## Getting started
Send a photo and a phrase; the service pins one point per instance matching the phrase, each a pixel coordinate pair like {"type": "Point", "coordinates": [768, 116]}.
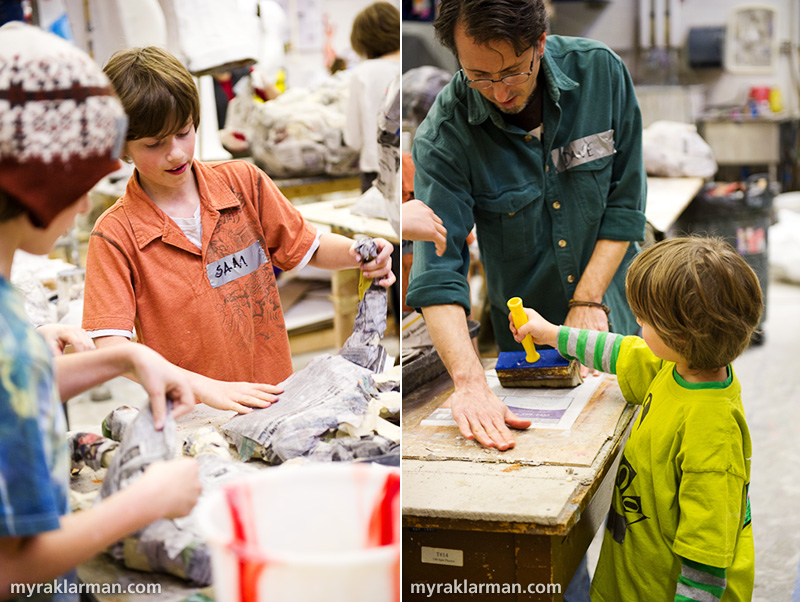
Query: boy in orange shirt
{"type": "Point", "coordinates": [186, 256]}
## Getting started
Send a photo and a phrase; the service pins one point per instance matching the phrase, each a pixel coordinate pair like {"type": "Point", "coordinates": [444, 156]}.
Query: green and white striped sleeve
{"type": "Point", "coordinates": [699, 582]}
{"type": "Point", "coordinates": [592, 348]}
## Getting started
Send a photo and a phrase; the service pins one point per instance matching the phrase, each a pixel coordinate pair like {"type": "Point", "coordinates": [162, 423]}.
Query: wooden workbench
{"type": "Point", "coordinates": [526, 515]}
{"type": "Point", "coordinates": [344, 283]}
{"type": "Point", "coordinates": [667, 198]}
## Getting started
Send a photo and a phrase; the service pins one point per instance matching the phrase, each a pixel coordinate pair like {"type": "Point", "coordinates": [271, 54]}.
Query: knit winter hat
{"type": "Point", "coordinates": [61, 126]}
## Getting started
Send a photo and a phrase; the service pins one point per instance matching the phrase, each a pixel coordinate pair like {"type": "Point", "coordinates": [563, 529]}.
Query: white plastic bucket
{"type": "Point", "coordinates": [306, 533]}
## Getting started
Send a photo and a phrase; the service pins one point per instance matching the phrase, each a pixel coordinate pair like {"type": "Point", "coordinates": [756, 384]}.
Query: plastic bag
{"type": "Point", "coordinates": [784, 258]}
{"type": "Point", "coordinates": [672, 149]}
{"type": "Point", "coordinates": [299, 133]}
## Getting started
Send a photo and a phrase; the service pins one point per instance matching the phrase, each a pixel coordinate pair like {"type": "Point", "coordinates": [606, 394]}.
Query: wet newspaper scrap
{"type": "Point", "coordinates": [363, 346]}
{"type": "Point", "coordinates": [317, 402]}
{"type": "Point", "coordinates": [173, 546]}
{"type": "Point", "coordinates": [331, 409]}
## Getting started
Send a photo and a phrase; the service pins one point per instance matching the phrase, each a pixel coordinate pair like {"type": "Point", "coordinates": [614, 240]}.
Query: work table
{"type": "Point", "coordinates": [526, 515]}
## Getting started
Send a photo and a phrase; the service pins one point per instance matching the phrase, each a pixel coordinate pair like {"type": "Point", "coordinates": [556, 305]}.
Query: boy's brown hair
{"type": "Point", "coordinates": [376, 30]}
{"type": "Point", "coordinates": [157, 91]}
{"type": "Point", "coordinates": [700, 297]}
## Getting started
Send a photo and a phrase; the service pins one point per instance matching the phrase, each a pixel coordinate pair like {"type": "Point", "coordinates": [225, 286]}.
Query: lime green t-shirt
{"type": "Point", "coordinates": [681, 488]}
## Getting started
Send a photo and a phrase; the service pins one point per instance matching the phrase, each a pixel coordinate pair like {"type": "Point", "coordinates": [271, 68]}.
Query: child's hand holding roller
{"type": "Point", "coordinates": [540, 330]}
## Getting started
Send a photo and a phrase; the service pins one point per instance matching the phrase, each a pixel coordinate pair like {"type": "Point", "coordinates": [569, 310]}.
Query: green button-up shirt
{"type": "Point", "coordinates": [539, 206]}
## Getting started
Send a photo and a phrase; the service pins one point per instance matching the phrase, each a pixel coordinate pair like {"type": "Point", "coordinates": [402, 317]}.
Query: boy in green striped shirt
{"type": "Point", "coordinates": [679, 524]}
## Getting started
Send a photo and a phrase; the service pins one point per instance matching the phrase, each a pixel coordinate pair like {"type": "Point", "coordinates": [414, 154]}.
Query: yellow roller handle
{"type": "Point", "coordinates": [519, 317]}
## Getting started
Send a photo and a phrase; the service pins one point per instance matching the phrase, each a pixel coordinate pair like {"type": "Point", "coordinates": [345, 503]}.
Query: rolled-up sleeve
{"type": "Point", "coordinates": [624, 217]}
{"type": "Point", "coordinates": [442, 183]}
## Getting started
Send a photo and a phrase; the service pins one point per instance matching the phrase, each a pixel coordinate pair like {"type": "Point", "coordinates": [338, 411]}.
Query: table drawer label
{"type": "Point", "coordinates": [442, 556]}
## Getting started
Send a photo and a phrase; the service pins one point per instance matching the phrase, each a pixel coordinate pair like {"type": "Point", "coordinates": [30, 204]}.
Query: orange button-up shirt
{"type": "Point", "coordinates": [215, 310]}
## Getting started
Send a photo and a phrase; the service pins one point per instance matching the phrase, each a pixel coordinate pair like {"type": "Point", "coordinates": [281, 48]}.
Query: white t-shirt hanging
{"type": "Point", "coordinates": [368, 84]}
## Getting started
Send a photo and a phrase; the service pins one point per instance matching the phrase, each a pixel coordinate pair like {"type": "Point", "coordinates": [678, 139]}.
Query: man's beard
{"type": "Point", "coordinates": [517, 110]}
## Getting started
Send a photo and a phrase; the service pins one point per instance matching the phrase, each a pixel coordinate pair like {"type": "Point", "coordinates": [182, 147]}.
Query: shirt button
{"type": "Point", "coordinates": [547, 169]}
{"type": "Point", "coordinates": [570, 278]}
{"type": "Point", "coordinates": [556, 205]}
{"type": "Point", "coordinates": [528, 138]}
{"type": "Point", "coordinates": [512, 214]}
{"type": "Point", "coordinates": [562, 243]}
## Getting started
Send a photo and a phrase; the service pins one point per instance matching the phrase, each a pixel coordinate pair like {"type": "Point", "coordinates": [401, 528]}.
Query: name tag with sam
{"type": "Point", "coordinates": [236, 265]}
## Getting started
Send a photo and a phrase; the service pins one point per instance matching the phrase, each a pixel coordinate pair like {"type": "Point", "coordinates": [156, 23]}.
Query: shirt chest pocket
{"type": "Point", "coordinates": [505, 216]}
{"type": "Point", "coordinates": [513, 232]}
{"type": "Point", "coordinates": [587, 186]}
{"type": "Point", "coordinates": [584, 173]}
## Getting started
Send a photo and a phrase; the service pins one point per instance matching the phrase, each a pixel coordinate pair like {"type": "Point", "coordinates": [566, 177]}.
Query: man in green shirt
{"type": "Point", "coordinates": [537, 142]}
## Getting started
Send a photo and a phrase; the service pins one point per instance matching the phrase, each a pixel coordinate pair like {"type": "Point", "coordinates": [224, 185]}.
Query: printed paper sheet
{"type": "Point", "coordinates": [546, 408]}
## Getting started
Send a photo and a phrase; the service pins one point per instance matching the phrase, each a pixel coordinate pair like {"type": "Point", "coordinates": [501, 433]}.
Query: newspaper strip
{"type": "Point", "coordinates": [363, 346]}
{"type": "Point", "coordinates": [141, 445]}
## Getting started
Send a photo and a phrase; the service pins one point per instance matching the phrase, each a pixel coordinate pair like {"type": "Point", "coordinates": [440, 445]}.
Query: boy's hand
{"type": "Point", "coordinates": [162, 380]}
{"type": "Point", "coordinates": [240, 397]}
{"type": "Point", "coordinates": [541, 331]}
{"type": "Point", "coordinates": [58, 336]}
{"type": "Point", "coordinates": [381, 266]}
{"type": "Point", "coordinates": [421, 223]}
{"type": "Point", "coordinates": [174, 486]}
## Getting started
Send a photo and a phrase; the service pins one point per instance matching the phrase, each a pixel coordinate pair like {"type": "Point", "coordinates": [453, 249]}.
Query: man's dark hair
{"type": "Point", "coordinates": [518, 22]}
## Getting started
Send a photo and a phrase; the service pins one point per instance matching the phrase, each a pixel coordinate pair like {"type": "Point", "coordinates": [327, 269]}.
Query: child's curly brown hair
{"type": "Point", "coordinates": [700, 297]}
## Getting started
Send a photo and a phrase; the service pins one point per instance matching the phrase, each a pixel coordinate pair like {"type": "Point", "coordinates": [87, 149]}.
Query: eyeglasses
{"type": "Point", "coordinates": [515, 79]}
